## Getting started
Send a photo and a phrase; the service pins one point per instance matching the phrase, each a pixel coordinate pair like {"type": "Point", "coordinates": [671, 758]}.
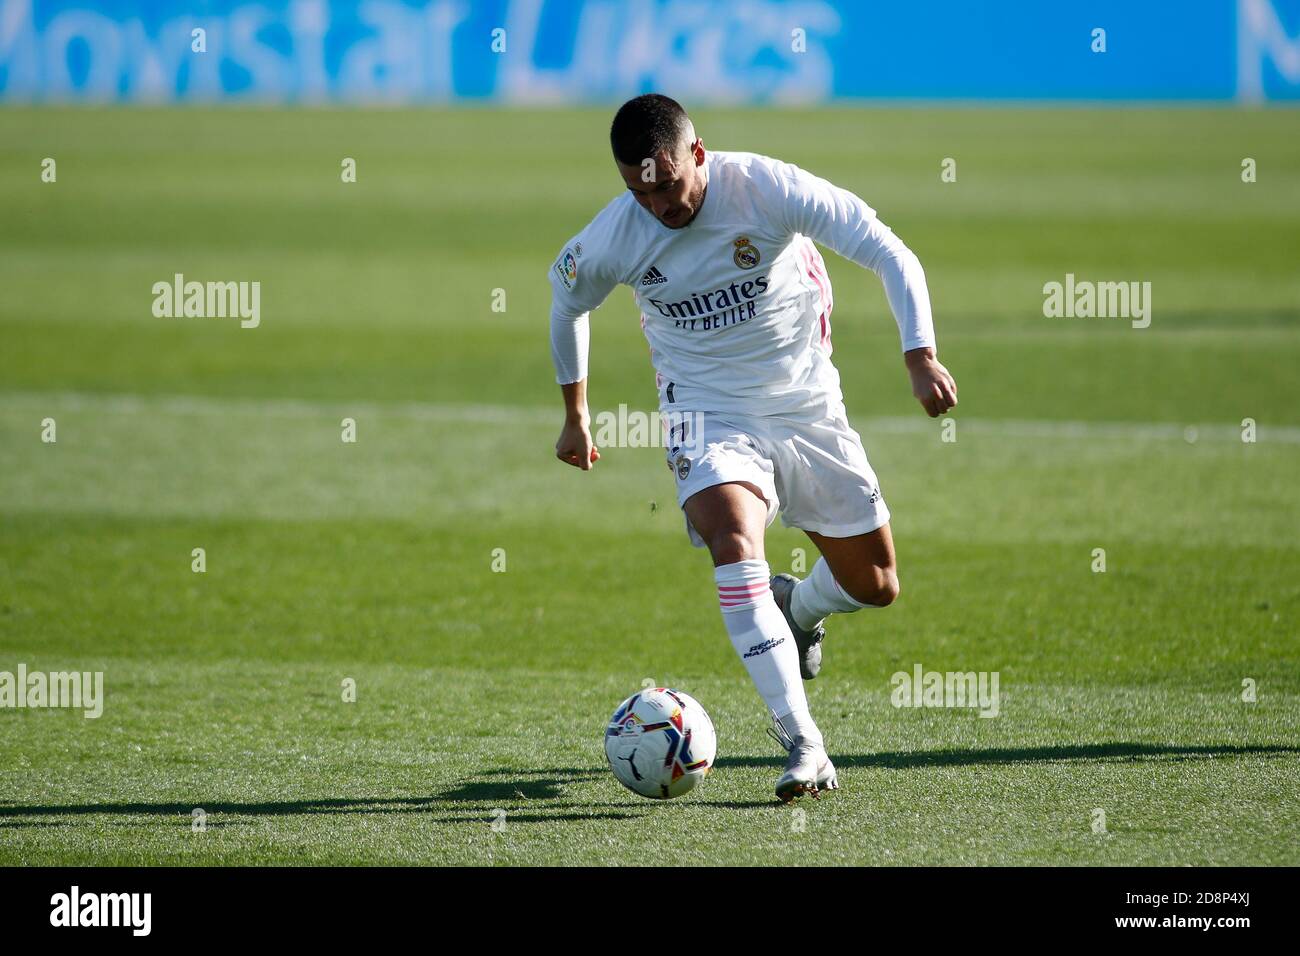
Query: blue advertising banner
{"type": "Point", "coordinates": [715, 51]}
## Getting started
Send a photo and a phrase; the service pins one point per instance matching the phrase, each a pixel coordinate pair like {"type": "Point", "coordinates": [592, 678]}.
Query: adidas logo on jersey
{"type": "Point", "coordinates": [653, 277]}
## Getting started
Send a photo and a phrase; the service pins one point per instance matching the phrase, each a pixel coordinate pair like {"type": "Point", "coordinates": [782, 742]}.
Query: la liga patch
{"type": "Point", "coordinates": [567, 269]}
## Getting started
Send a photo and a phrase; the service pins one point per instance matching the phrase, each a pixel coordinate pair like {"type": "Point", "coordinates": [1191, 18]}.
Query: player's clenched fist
{"type": "Point", "coordinates": [575, 446]}
{"type": "Point", "coordinates": [932, 385]}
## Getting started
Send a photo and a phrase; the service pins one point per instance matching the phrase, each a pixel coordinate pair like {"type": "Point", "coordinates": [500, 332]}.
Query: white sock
{"type": "Point", "coordinates": [820, 594]}
{"type": "Point", "coordinates": [762, 639]}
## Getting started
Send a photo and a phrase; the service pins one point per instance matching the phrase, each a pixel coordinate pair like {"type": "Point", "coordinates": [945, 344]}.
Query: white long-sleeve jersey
{"type": "Point", "coordinates": [737, 305]}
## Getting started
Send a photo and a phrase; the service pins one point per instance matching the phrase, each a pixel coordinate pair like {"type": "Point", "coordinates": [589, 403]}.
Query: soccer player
{"type": "Point", "coordinates": [736, 304]}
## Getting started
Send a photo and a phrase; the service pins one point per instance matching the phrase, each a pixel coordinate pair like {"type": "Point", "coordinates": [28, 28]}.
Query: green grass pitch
{"type": "Point", "coordinates": [480, 691]}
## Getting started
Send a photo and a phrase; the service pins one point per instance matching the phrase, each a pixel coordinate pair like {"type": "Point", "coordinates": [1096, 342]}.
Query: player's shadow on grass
{"type": "Point", "coordinates": [1096, 753]}
{"type": "Point", "coordinates": [468, 802]}
{"type": "Point", "coordinates": [545, 784]}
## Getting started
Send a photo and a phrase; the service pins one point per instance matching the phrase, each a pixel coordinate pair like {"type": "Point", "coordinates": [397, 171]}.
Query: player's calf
{"type": "Point", "coordinates": [870, 586]}
{"type": "Point", "coordinates": [852, 573]}
{"type": "Point", "coordinates": [807, 603]}
{"type": "Point", "coordinates": [822, 593]}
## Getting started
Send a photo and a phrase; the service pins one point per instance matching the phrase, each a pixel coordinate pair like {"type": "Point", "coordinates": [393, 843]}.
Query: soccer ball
{"type": "Point", "coordinates": [660, 743]}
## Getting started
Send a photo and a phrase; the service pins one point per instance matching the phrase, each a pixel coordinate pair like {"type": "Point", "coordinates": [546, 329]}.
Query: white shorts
{"type": "Point", "coordinates": [816, 474]}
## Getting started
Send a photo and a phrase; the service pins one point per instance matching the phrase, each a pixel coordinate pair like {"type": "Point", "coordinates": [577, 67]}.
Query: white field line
{"type": "Point", "coordinates": [125, 404]}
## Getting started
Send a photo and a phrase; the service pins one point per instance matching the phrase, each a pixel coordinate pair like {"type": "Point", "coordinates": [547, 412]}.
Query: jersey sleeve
{"type": "Point", "coordinates": [839, 220]}
{"type": "Point", "coordinates": [580, 281]}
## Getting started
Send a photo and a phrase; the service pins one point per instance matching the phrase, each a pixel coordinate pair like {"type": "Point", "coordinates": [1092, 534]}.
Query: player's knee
{"type": "Point", "coordinates": [728, 547]}
{"type": "Point", "coordinates": [875, 586]}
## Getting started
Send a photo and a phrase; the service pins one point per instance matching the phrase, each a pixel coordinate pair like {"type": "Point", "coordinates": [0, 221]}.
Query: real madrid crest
{"type": "Point", "coordinates": [746, 254]}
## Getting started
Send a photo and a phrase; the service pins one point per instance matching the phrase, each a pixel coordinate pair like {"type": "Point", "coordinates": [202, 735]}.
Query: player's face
{"type": "Point", "coordinates": [672, 187]}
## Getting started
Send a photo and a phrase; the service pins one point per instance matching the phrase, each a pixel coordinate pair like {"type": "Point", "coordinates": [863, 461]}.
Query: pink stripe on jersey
{"type": "Point", "coordinates": [823, 287]}
{"type": "Point", "coordinates": [819, 267]}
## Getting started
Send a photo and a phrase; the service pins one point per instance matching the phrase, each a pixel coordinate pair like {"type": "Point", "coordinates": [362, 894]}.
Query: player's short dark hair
{"type": "Point", "coordinates": [645, 126]}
